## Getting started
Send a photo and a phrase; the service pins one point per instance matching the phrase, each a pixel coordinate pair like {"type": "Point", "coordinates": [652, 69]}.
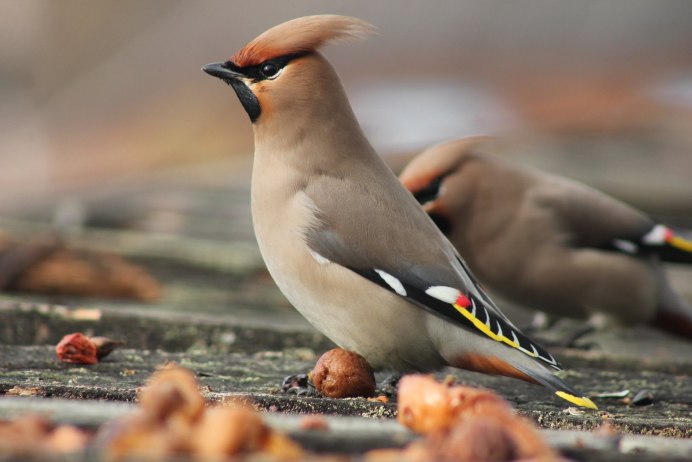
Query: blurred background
{"type": "Point", "coordinates": [106, 119]}
{"type": "Point", "coordinates": [96, 96]}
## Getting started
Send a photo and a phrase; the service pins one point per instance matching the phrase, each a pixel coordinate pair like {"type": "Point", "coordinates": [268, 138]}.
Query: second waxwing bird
{"type": "Point", "coordinates": [549, 243]}
{"type": "Point", "coordinates": [348, 246]}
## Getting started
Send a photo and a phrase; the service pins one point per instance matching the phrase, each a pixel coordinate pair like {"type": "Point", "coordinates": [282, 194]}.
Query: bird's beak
{"type": "Point", "coordinates": [222, 71]}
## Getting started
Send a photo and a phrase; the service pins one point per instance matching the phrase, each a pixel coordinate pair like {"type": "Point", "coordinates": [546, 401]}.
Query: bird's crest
{"type": "Point", "coordinates": [301, 35]}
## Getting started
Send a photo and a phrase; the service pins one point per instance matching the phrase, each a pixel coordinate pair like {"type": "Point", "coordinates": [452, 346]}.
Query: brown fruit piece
{"type": "Point", "coordinates": [79, 349]}
{"type": "Point", "coordinates": [83, 273]}
{"type": "Point", "coordinates": [343, 374]}
{"type": "Point", "coordinates": [172, 393]}
{"type": "Point", "coordinates": [425, 406]}
{"type": "Point", "coordinates": [76, 348]}
{"type": "Point", "coordinates": [228, 431]}
{"type": "Point", "coordinates": [464, 423]}
{"type": "Point", "coordinates": [67, 439]}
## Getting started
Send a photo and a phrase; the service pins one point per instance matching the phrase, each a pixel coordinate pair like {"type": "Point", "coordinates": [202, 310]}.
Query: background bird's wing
{"type": "Point", "coordinates": [588, 217]}
{"type": "Point", "coordinates": [594, 219]}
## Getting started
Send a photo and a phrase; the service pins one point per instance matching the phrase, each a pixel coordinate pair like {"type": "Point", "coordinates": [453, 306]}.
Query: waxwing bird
{"type": "Point", "coordinates": [549, 243]}
{"type": "Point", "coordinates": [348, 246]}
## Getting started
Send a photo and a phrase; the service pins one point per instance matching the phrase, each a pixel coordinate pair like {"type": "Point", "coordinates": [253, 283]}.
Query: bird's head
{"type": "Point", "coordinates": [281, 70]}
{"type": "Point", "coordinates": [436, 180]}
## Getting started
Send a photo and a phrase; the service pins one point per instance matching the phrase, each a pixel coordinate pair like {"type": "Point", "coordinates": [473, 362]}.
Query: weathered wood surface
{"type": "Point", "coordinates": [222, 317]}
{"type": "Point", "coordinates": [236, 359]}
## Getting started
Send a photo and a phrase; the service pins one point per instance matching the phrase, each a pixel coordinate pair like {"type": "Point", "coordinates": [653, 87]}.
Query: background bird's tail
{"type": "Point", "coordinates": [671, 245]}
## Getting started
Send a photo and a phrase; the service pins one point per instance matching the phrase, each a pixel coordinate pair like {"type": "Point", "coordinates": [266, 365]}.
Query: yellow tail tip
{"type": "Point", "coordinates": [680, 243]}
{"type": "Point", "coordinates": [583, 401]}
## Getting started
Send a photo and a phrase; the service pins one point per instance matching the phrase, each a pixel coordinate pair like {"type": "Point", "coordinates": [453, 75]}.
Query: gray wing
{"type": "Point", "coordinates": [590, 218]}
{"type": "Point", "coordinates": [383, 235]}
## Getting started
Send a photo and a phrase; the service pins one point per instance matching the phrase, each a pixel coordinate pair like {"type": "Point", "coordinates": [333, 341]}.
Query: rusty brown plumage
{"type": "Point", "coordinates": [300, 35]}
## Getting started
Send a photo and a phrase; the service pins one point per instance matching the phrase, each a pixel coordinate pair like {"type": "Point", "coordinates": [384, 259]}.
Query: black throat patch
{"type": "Point", "coordinates": [247, 99]}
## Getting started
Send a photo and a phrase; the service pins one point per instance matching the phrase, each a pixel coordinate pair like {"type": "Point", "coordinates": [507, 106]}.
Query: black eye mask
{"type": "Point", "coordinates": [430, 192]}
{"type": "Point", "coordinates": [263, 71]}
{"type": "Point", "coordinates": [266, 69]}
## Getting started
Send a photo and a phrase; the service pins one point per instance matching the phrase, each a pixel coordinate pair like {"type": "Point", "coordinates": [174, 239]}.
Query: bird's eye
{"type": "Point", "coordinates": [270, 70]}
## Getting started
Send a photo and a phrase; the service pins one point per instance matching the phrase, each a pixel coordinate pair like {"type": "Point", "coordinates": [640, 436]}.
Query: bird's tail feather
{"type": "Point", "coordinates": [671, 245]}
{"type": "Point", "coordinates": [559, 386]}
